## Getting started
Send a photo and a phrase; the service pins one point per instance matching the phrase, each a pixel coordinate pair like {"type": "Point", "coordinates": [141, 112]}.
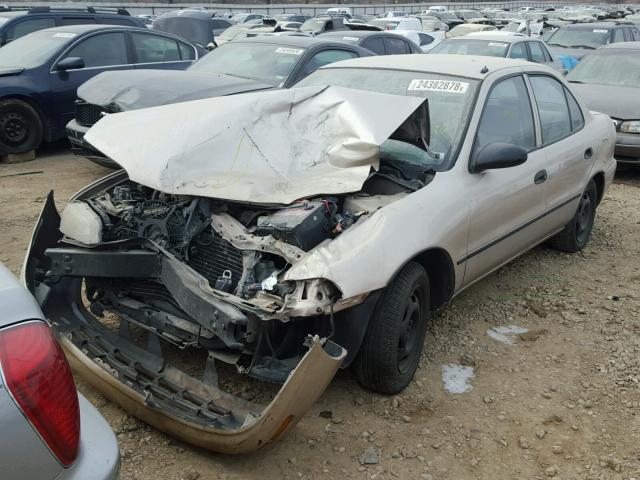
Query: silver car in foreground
{"type": "Point", "coordinates": [292, 232]}
{"type": "Point", "coordinates": [47, 429]}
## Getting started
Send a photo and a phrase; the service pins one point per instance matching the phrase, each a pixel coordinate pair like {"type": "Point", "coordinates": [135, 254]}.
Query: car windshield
{"type": "Point", "coordinates": [580, 37]}
{"type": "Point", "coordinates": [265, 62]}
{"type": "Point", "coordinates": [33, 49]}
{"type": "Point", "coordinates": [450, 103]}
{"type": "Point", "coordinates": [446, 16]}
{"type": "Point", "coordinates": [615, 68]}
{"type": "Point", "coordinates": [473, 47]}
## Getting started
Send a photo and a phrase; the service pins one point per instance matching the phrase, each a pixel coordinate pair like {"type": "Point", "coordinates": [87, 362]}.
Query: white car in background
{"type": "Point", "coordinates": [398, 23]}
{"type": "Point", "coordinates": [426, 41]}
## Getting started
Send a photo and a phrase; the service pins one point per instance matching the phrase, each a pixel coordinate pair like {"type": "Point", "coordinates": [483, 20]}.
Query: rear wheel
{"type": "Point", "coordinates": [578, 231]}
{"type": "Point", "coordinates": [392, 346]}
{"type": "Point", "coordinates": [20, 127]}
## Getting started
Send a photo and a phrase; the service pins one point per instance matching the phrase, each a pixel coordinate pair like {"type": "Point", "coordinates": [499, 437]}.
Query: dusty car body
{"type": "Point", "coordinates": [277, 231]}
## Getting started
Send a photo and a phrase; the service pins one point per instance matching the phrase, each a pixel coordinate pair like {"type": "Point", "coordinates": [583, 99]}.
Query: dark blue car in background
{"type": "Point", "coordinates": [16, 22]}
{"type": "Point", "coordinates": [40, 73]}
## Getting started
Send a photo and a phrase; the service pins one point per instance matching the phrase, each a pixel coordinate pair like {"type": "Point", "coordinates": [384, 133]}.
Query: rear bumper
{"type": "Point", "coordinates": [75, 134]}
{"type": "Point", "coordinates": [628, 148]}
{"type": "Point", "coordinates": [145, 385]}
{"type": "Point", "coordinates": [99, 455]}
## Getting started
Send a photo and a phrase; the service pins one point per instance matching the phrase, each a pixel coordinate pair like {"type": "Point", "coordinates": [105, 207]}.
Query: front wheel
{"type": "Point", "coordinates": [391, 349]}
{"type": "Point", "coordinates": [20, 127]}
{"type": "Point", "coordinates": [577, 232]}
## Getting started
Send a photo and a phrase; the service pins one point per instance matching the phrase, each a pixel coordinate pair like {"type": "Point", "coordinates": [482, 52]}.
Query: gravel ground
{"type": "Point", "coordinates": [561, 401]}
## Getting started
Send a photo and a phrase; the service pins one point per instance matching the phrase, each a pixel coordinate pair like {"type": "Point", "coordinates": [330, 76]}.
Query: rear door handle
{"type": "Point", "coordinates": [588, 153]}
{"type": "Point", "coordinates": [540, 177]}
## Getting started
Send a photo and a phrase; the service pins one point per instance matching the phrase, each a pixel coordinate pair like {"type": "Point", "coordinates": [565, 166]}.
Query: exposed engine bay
{"type": "Point", "coordinates": [240, 251]}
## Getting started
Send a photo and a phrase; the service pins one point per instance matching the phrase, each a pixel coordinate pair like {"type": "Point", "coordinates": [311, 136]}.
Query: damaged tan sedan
{"type": "Point", "coordinates": [293, 232]}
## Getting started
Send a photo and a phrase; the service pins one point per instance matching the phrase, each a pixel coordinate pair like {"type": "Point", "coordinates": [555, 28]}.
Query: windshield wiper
{"type": "Point", "coordinates": [575, 81]}
{"type": "Point", "coordinates": [582, 46]}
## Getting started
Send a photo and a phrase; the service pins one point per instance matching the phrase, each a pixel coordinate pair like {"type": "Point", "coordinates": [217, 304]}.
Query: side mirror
{"type": "Point", "coordinates": [498, 155]}
{"type": "Point", "coordinates": [70, 63]}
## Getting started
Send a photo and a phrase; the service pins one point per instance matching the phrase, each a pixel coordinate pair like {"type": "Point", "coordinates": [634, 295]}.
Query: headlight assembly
{"type": "Point", "coordinates": [630, 126]}
{"type": "Point", "coordinates": [79, 222]}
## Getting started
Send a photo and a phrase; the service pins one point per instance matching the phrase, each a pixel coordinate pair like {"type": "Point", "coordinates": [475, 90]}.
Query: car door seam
{"type": "Point", "coordinates": [516, 230]}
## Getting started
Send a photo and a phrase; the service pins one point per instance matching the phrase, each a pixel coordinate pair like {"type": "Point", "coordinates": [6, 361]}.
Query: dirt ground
{"type": "Point", "coordinates": [562, 401]}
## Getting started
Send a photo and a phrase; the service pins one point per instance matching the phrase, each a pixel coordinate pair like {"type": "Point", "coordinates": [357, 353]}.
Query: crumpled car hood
{"type": "Point", "coordinates": [133, 89]}
{"type": "Point", "coordinates": [265, 147]}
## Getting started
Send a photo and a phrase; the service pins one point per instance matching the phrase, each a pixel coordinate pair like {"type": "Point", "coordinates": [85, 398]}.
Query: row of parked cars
{"type": "Point", "coordinates": [269, 210]}
{"type": "Point", "coordinates": [42, 71]}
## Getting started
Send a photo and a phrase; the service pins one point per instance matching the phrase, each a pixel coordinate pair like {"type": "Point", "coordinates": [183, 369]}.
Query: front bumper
{"type": "Point", "coordinates": [75, 134]}
{"type": "Point", "coordinates": [627, 148]}
{"type": "Point", "coordinates": [147, 386]}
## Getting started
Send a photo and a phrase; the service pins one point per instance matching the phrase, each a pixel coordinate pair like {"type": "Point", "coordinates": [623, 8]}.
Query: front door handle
{"type": "Point", "coordinates": [588, 153]}
{"type": "Point", "coordinates": [540, 177]}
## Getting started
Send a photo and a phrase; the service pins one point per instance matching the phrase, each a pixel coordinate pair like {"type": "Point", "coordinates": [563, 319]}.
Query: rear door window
{"type": "Point", "coordinates": [324, 58]}
{"type": "Point", "coordinates": [103, 50]}
{"type": "Point", "coordinates": [577, 119]}
{"type": "Point", "coordinates": [24, 27]}
{"type": "Point", "coordinates": [555, 121]}
{"type": "Point", "coordinates": [537, 54]}
{"type": "Point", "coordinates": [396, 46]}
{"type": "Point", "coordinates": [376, 45]}
{"type": "Point", "coordinates": [425, 39]}
{"type": "Point", "coordinates": [618, 35]}
{"type": "Point", "coordinates": [187, 52]}
{"type": "Point", "coordinates": [518, 50]}
{"type": "Point", "coordinates": [154, 49]}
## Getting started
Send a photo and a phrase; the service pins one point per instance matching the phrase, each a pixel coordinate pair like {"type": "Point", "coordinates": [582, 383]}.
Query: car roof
{"type": "Point", "coordinates": [201, 14]}
{"type": "Point", "coordinates": [356, 33]}
{"type": "Point", "coordinates": [90, 27]}
{"type": "Point", "coordinates": [621, 46]}
{"type": "Point", "coordinates": [289, 40]}
{"type": "Point", "coordinates": [590, 25]}
{"type": "Point", "coordinates": [64, 13]}
{"type": "Point", "coordinates": [447, 64]}
{"type": "Point", "coordinates": [492, 38]}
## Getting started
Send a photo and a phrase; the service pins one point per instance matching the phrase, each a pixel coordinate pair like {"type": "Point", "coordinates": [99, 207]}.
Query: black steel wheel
{"type": "Point", "coordinates": [578, 231]}
{"type": "Point", "coordinates": [20, 127]}
{"type": "Point", "coordinates": [391, 350]}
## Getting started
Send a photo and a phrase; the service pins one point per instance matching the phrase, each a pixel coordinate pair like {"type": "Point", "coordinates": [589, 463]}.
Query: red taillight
{"type": "Point", "coordinates": [38, 376]}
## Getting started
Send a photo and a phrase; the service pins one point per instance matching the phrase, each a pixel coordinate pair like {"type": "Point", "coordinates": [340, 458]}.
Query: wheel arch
{"type": "Point", "coordinates": [598, 178]}
{"type": "Point", "coordinates": [439, 267]}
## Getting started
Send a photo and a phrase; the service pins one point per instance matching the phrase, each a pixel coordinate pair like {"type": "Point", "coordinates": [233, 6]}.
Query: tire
{"type": "Point", "coordinates": [20, 127]}
{"type": "Point", "coordinates": [577, 232]}
{"type": "Point", "coordinates": [391, 349]}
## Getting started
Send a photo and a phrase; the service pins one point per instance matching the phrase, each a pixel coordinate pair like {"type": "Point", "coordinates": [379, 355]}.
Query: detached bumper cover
{"type": "Point", "coordinates": [146, 386]}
